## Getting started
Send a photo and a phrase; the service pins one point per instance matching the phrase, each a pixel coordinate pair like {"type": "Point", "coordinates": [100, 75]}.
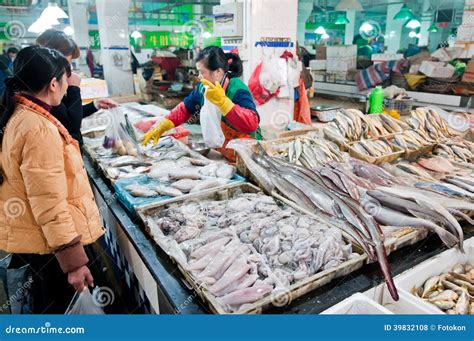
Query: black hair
{"type": "Point", "coordinates": [215, 58]}
{"type": "Point", "coordinates": [58, 40]}
{"type": "Point", "coordinates": [33, 69]}
{"type": "Point", "coordinates": [12, 50]}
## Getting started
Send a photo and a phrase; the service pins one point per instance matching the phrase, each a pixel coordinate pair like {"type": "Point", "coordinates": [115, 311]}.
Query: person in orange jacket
{"type": "Point", "coordinates": [219, 72]}
{"type": "Point", "coordinates": [48, 216]}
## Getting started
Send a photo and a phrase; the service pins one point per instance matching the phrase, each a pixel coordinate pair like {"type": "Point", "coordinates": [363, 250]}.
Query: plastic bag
{"type": "Point", "coordinates": [117, 135]}
{"type": "Point", "coordinates": [271, 76]}
{"type": "Point", "coordinates": [17, 284]}
{"type": "Point", "coordinates": [259, 93]}
{"type": "Point", "coordinates": [84, 304]}
{"type": "Point", "coordinates": [211, 125]}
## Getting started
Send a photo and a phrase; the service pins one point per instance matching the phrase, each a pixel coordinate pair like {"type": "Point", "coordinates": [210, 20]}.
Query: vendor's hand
{"type": "Point", "coordinates": [74, 80]}
{"type": "Point", "coordinates": [215, 94]}
{"type": "Point", "coordinates": [105, 103]}
{"type": "Point", "coordinates": [159, 129]}
{"type": "Point", "coordinates": [80, 278]}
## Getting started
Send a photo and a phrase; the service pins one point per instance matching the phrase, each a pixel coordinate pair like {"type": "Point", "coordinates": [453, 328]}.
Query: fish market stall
{"type": "Point", "coordinates": [329, 224]}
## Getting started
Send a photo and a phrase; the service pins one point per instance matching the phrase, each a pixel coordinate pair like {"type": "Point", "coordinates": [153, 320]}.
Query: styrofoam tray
{"type": "Point", "coordinates": [435, 266]}
{"type": "Point", "coordinates": [357, 304]}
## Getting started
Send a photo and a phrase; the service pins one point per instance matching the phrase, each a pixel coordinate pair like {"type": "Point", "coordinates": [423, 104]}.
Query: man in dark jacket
{"type": "Point", "coordinates": [6, 66]}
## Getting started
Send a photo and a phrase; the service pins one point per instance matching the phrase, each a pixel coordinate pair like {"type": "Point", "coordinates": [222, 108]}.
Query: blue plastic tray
{"type": "Point", "coordinates": [130, 202]}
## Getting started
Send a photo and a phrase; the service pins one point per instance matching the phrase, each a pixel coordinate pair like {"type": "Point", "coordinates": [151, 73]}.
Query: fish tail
{"type": "Point", "coordinates": [386, 271]}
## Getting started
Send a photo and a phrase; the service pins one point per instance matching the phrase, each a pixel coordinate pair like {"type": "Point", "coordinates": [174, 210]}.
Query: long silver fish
{"type": "Point", "coordinates": [426, 202]}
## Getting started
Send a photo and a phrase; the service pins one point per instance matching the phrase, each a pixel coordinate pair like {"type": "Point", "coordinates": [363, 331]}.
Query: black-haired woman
{"type": "Point", "coordinates": [70, 111]}
{"type": "Point", "coordinates": [48, 212]}
{"type": "Point", "coordinates": [220, 72]}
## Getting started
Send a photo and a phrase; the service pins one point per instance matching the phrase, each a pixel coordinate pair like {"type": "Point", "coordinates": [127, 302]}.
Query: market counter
{"type": "Point", "coordinates": [154, 280]}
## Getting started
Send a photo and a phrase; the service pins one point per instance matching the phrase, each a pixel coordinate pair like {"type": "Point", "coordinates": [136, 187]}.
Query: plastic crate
{"type": "Point", "coordinates": [131, 203]}
{"type": "Point", "coordinates": [403, 106]}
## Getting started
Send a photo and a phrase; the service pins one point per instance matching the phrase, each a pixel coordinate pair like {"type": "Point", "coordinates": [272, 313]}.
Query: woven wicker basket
{"type": "Point", "coordinates": [440, 85]}
{"type": "Point", "coordinates": [399, 80]}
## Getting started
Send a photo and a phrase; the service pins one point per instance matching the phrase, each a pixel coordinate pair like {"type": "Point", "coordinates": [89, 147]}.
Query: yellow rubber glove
{"type": "Point", "coordinates": [216, 95]}
{"type": "Point", "coordinates": [156, 132]}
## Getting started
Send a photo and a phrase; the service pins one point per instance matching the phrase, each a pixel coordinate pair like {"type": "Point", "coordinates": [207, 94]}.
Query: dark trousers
{"type": "Point", "coordinates": [50, 291]}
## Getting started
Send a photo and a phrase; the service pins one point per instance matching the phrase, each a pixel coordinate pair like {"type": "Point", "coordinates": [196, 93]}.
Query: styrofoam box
{"type": "Point", "coordinates": [341, 65]}
{"type": "Point", "coordinates": [435, 266]}
{"type": "Point", "coordinates": [437, 69]}
{"type": "Point", "coordinates": [344, 51]}
{"type": "Point", "coordinates": [357, 304]}
{"type": "Point", "coordinates": [407, 304]}
{"type": "Point", "coordinates": [381, 57]}
{"type": "Point", "coordinates": [468, 18]}
{"type": "Point", "coordinates": [317, 64]}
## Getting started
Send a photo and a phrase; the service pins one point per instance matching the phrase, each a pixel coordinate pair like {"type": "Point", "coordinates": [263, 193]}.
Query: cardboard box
{"type": "Point", "coordinates": [321, 52]}
{"type": "Point", "coordinates": [437, 69]}
{"type": "Point", "coordinates": [341, 65]}
{"type": "Point", "coordinates": [415, 68]}
{"type": "Point", "coordinates": [342, 52]}
{"type": "Point", "coordinates": [469, 73]}
{"type": "Point", "coordinates": [317, 64]}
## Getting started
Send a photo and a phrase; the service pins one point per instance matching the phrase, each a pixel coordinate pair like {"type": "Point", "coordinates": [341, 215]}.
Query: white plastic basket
{"type": "Point", "coordinates": [357, 304]}
{"type": "Point", "coordinates": [435, 266]}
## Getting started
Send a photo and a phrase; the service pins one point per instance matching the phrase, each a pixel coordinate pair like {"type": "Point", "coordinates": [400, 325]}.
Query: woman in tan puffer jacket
{"type": "Point", "coordinates": [47, 208]}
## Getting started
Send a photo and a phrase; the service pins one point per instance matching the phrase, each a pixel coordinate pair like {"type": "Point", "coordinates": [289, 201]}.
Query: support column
{"type": "Point", "coordinates": [393, 32]}
{"type": "Point", "coordinates": [270, 19]}
{"type": "Point", "coordinates": [304, 11]}
{"type": "Point", "coordinates": [350, 31]}
{"type": "Point", "coordinates": [426, 20]}
{"type": "Point", "coordinates": [79, 22]}
{"type": "Point", "coordinates": [112, 17]}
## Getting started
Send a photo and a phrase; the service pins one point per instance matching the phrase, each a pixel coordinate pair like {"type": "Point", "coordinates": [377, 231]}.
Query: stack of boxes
{"type": "Point", "coordinates": [465, 32]}
{"type": "Point", "coordinates": [340, 60]}
{"type": "Point", "coordinates": [318, 66]}
{"type": "Point", "coordinates": [333, 64]}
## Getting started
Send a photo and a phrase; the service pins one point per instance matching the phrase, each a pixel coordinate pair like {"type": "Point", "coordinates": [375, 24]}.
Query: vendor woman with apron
{"type": "Point", "coordinates": [219, 72]}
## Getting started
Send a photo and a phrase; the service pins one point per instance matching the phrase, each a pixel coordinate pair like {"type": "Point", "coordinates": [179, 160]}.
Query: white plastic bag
{"type": "Point", "coordinates": [84, 304]}
{"type": "Point", "coordinates": [211, 125]}
{"type": "Point", "coordinates": [271, 78]}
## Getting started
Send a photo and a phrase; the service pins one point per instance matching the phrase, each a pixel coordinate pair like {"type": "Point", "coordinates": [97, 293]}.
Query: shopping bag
{"type": "Point", "coordinates": [259, 93]}
{"type": "Point", "coordinates": [84, 304]}
{"type": "Point", "coordinates": [17, 285]}
{"type": "Point", "coordinates": [211, 125]}
{"type": "Point", "coordinates": [118, 134]}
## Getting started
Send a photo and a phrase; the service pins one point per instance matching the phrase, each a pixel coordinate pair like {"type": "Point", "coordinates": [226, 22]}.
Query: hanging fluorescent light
{"type": "Point", "coordinates": [42, 24]}
{"type": "Point", "coordinates": [325, 36]}
{"type": "Point", "coordinates": [349, 5]}
{"type": "Point", "coordinates": [68, 30]}
{"type": "Point", "coordinates": [320, 30]}
{"type": "Point", "coordinates": [206, 35]}
{"type": "Point", "coordinates": [412, 34]}
{"type": "Point", "coordinates": [413, 24]}
{"type": "Point", "coordinates": [404, 14]}
{"type": "Point", "coordinates": [53, 11]}
{"type": "Point", "coordinates": [136, 34]}
{"type": "Point", "coordinates": [366, 27]}
{"type": "Point", "coordinates": [342, 19]}
{"type": "Point", "coordinates": [433, 28]}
